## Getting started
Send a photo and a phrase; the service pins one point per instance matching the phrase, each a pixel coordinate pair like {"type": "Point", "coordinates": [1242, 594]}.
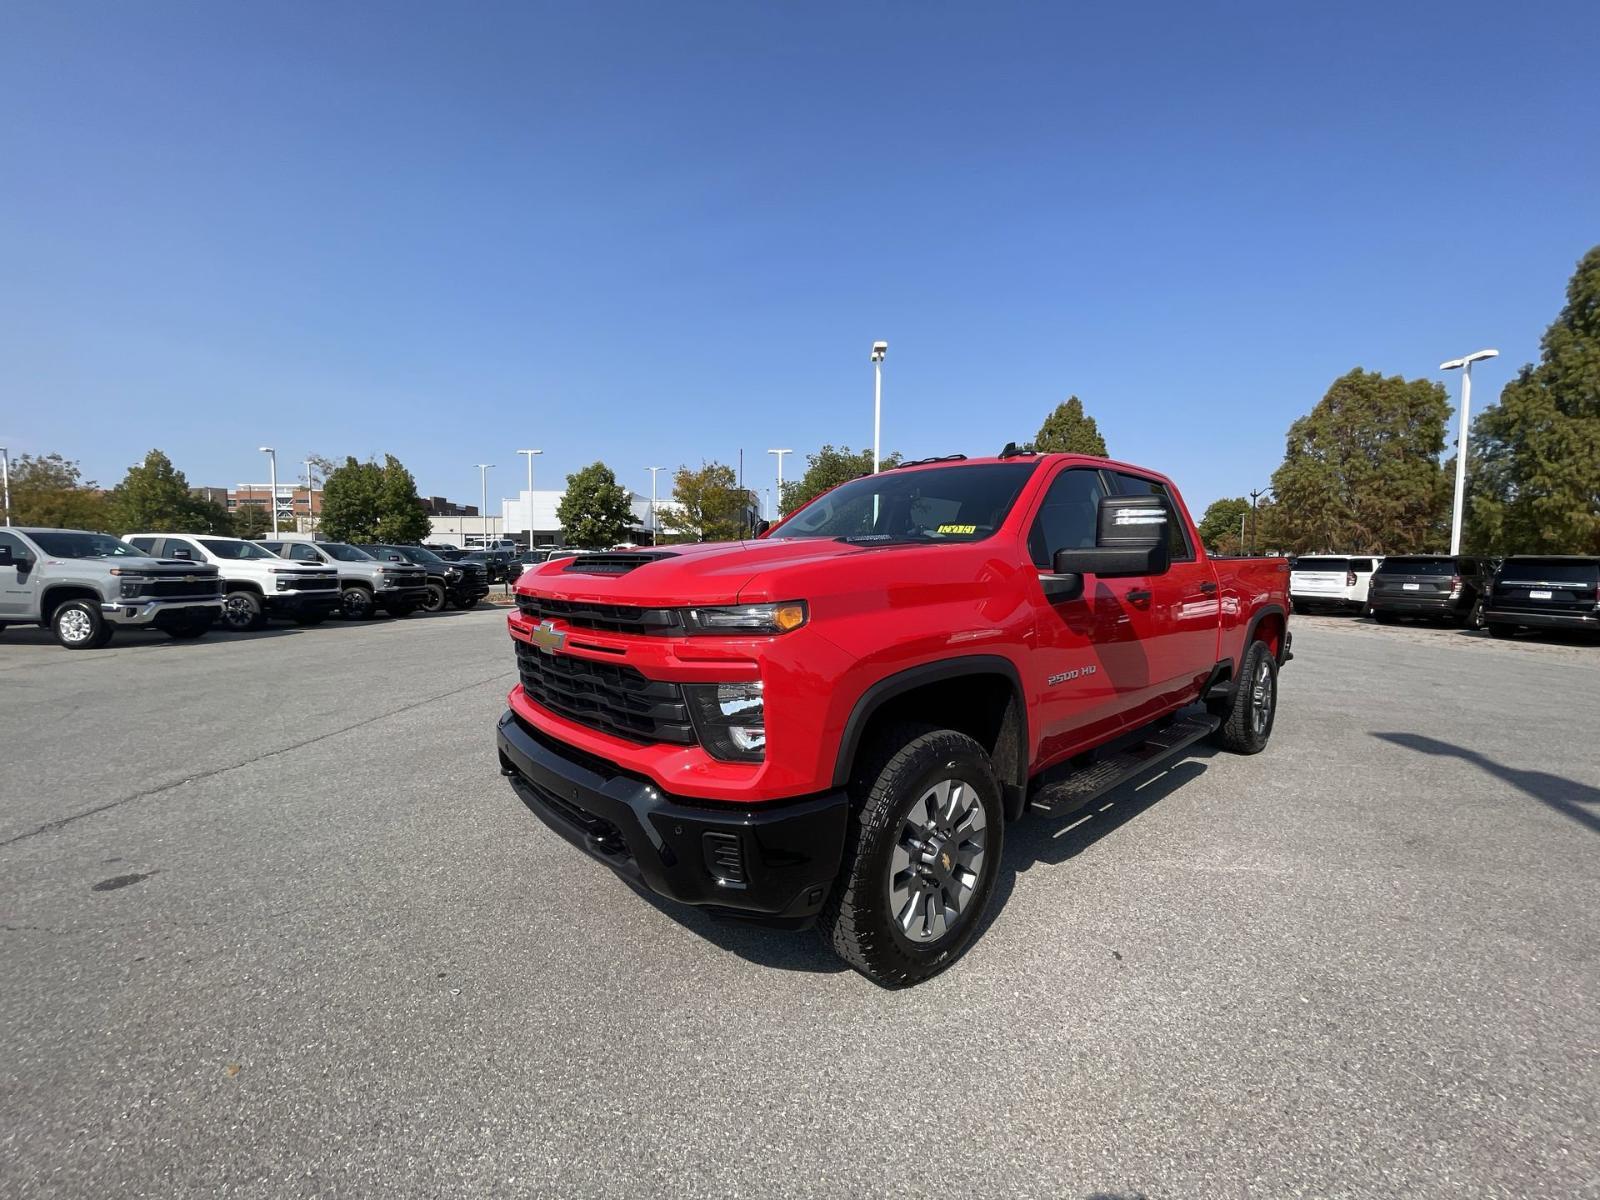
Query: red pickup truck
{"type": "Point", "coordinates": [834, 721]}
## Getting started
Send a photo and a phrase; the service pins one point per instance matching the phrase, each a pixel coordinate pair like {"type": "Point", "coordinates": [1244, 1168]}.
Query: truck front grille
{"type": "Point", "coordinates": [610, 697]}
{"type": "Point", "coordinates": [165, 588]}
{"type": "Point", "coordinates": [605, 618]}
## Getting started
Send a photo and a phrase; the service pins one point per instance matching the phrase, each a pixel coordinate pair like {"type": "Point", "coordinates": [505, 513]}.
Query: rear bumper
{"type": "Point", "coordinates": [788, 852]}
{"type": "Point", "coordinates": [1417, 606]}
{"type": "Point", "coordinates": [1332, 599]}
{"type": "Point", "coordinates": [1543, 620]}
{"type": "Point", "coordinates": [159, 612]}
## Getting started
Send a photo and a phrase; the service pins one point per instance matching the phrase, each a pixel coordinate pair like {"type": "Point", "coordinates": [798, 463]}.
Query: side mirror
{"type": "Point", "coordinates": [760, 527]}
{"type": "Point", "coordinates": [1131, 540]}
{"type": "Point", "coordinates": [5, 556]}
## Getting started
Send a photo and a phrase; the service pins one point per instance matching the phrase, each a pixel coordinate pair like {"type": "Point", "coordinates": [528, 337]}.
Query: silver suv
{"type": "Point", "coordinates": [365, 584]}
{"type": "Point", "coordinates": [82, 586]}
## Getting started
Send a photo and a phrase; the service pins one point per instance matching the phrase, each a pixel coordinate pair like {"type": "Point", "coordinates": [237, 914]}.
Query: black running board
{"type": "Point", "coordinates": [1064, 789]}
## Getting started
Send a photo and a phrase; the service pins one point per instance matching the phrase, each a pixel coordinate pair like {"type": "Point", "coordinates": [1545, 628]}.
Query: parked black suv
{"type": "Point", "coordinates": [502, 565]}
{"type": "Point", "coordinates": [1436, 586]}
{"type": "Point", "coordinates": [1555, 591]}
{"type": "Point", "coordinates": [461, 584]}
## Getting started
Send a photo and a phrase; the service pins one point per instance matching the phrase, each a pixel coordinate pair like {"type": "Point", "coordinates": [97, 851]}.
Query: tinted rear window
{"type": "Point", "coordinates": [1550, 570]}
{"type": "Point", "coordinates": [1322, 564]}
{"type": "Point", "coordinates": [1418, 566]}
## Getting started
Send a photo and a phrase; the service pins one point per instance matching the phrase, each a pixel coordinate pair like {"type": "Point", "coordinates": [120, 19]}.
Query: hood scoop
{"type": "Point", "coordinates": [613, 563]}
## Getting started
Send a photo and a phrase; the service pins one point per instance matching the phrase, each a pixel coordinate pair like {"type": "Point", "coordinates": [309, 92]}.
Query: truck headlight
{"type": "Point", "coordinates": [452, 573]}
{"type": "Point", "coordinates": [748, 618]}
{"type": "Point", "coordinates": [730, 719]}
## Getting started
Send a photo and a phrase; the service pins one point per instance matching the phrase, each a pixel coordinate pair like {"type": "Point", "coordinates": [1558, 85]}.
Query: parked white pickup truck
{"type": "Point", "coordinates": [256, 582]}
{"type": "Point", "coordinates": [365, 584]}
{"type": "Point", "coordinates": [82, 586]}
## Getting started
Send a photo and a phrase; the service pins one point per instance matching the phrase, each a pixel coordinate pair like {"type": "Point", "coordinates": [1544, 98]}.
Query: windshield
{"type": "Point", "coordinates": [419, 554]}
{"type": "Point", "coordinates": [345, 553]}
{"type": "Point", "coordinates": [1322, 564]}
{"type": "Point", "coordinates": [943, 504]}
{"type": "Point", "coordinates": [1418, 566]}
{"type": "Point", "coordinates": [1550, 570]}
{"type": "Point", "coordinates": [232, 549]}
{"type": "Point", "coordinates": [60, 544]}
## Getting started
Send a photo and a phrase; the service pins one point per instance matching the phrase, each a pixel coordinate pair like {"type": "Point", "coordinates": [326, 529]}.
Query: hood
{"type": "Point", "coordinates": [165, 566]}
{"type": "Point", "coordinates": [696, 573]}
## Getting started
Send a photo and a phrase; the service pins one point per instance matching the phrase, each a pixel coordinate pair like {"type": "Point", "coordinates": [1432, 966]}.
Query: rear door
{"type": "Point", "coordinates": [1177, 613]}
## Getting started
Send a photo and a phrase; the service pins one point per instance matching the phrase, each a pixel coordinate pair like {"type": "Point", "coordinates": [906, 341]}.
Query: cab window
{"type": "Point", "coordinates": [1068, 517]}
{"type": "Point", "coordinates": [1178, 549]}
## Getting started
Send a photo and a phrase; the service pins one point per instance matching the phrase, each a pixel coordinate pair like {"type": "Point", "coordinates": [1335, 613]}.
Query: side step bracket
{"type": "Point", "coordinates": [1066, 788]}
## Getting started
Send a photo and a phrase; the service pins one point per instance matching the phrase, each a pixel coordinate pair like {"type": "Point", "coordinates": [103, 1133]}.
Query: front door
{"type": "Point", "coordinates": [15, 592]}
{"type": "Point", "coordinates": [1088, 664]}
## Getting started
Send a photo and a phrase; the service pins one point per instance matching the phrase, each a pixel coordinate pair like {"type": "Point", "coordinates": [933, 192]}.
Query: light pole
{"type": "Point", "coordinates": [1254, 496]}
{"type": "Point", "coordinates": [1464, 365]}
{"type": "Point", "coordinates": [529, 455]}
{"type": "Point", "coordinates": [879, 349]}
{"type": "Point", "coordinates": [5, 480]}
{"type": "Point", "coordinates": [483, 499]}
{"type": "Point", "coordinates": [780, 454]}
{"type": "Point", "coordinates": [272, 501]}
{"type": "Point", "coordinates": [655, 525]}
{"type": "Point", "coordinates": [311, 486]}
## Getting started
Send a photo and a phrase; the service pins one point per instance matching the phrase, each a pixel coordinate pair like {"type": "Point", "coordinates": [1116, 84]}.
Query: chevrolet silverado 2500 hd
{"type": "Point", "coordinates": [836, 720]}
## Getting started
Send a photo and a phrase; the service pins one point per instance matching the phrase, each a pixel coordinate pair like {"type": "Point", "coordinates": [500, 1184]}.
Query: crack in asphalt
{"type": "Point", "coordinates": [62, 822]}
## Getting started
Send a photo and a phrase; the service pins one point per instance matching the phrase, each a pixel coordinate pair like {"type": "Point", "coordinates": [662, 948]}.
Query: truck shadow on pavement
{"type": "Point", "coordinates": [1566, 796]}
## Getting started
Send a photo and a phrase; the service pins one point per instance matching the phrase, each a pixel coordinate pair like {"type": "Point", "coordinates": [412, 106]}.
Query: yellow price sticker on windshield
{"type": "Point", "coordinates": [958, 529]}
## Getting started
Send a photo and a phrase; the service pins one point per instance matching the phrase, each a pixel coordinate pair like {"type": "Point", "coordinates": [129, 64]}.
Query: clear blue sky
{"type": "Point", "coordinates": [658, 232]}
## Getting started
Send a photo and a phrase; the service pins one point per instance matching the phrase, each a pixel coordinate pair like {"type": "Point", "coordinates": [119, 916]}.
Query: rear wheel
{"type": "Point", "coordinates": [242, 612]}
{"type": "Point", "coordinates": [1383, 618]}
{"type": "Point", "coordinates": [78, 625]}
{"type": "Point", "coordinates": [922, 850]}
{"type": "Point", "coordinates": [469, 602]}
{"type": "Point", "coordinates": [1474, 618]}
{"type": "Point", "coordinates": [1503, 631]}
{"type": "Point", "coordinates": [436, 599]}
{"type": "Point", "coordinates": [1248, 714]}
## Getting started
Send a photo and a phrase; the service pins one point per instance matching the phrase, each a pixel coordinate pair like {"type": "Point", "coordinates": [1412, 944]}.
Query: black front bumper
{"type": "Point", "coordinates": [301, 604]}
{"type": "Point", "coordinates": [788, 853]}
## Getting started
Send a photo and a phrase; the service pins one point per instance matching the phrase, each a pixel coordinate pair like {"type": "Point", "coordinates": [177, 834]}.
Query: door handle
{"type": "Point", "coordinates": [1139, 595]}
{"type": "Point", "coordinates": [1210, 585]}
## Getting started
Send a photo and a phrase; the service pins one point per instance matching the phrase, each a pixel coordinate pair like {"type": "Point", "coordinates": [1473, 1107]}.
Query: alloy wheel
{"type": "Point", "coordinates": [938, 860]}
{"type": "Point", "coordinates": [1262, 697]}
{"type": "Point", "coordinates": [76, 626]}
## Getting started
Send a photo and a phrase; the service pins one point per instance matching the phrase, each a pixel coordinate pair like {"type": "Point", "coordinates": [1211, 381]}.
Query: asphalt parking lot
{"type": "Point", "coordinates": [274, 926]}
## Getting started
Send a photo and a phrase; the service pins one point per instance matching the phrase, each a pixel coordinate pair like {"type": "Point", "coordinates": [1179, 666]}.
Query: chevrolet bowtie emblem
{"type": "Point", "coordinates": [547, 637]}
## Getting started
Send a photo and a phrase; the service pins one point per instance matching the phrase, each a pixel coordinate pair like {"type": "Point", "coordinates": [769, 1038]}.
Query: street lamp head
{"type": "Point", "coordinates": [266, 449]}
{"type": "Point", "coordinates": [1455, 364]}
{"type": "Point", "coordinates": [879, 349]}
{"type": "Point", "coordinates": [530, 451]}
{"type": "Point", "coordinates": [780, 451]}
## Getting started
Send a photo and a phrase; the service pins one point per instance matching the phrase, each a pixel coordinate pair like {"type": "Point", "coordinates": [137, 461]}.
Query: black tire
{"type": "Point", "coordinates": [78, 625]}
{"type": "Point", "coordinates": [189, 628]}
{"type": "Point", "coordinates": [1502, 631]}
{"type": "Point", "coordinates": [356, 604]}
{"type": "Point", "coordinates": [469, 602]}
{"type": "Point", "coordinates": [1248, 715]}
{"type": "Point", "coordinates": [1474, 617]}
{"type": "Point", "coordinates": [242, 612]}
{"type": "Point", "coordinates": [436, 600]}
{"type": "Point", "coordinates": [1383, 618]}
{"type": "Point", "coordinates": [306, 620]}
{"type": "Point", "coordinates": [401, 608]}
{"type": "Point", "coordinates": [859, 921]}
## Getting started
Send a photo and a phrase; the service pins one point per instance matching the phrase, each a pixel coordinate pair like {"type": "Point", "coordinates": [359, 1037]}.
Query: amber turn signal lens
{"type": "Point", "coordinates": [789, 616]}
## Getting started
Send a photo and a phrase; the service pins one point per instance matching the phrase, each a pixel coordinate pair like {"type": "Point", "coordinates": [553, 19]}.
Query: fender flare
{"type": "Point", "coordinates": [887, 688]}
{"type": "Point", "coordinates": [1265, 611]}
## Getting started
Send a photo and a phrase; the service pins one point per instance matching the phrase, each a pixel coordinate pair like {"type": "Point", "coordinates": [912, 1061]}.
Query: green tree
{"type": "Point", "coordinates": [596, 510]}
{"type": "Point", "coordinates": [1221, 521]}
{"type": "Point", "coordinates": [1535, 456]}
{"type": "Point", "coordinates": [251, 521]}
{"type": "Point", "coordinates": [400, 514]}
{"type": "Point", "coordinates": [828, 468]}
{"type": "Point", "coordinates": [155, 495]}
{"type": "Point", "coordinates": [707, 505]}
{"type": "Point", "coordinates": [352, 502]}
{"type": "Point", "coordinates": [1361, 470]}
{"type": "Point", "coordinates": [1069, 430]}
{"type": "Point", "coordinates": [50, 491]}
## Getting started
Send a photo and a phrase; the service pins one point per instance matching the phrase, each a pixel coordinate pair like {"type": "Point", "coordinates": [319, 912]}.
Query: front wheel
{"type": "Point", "coordinates": [78, 625]}
{"type": "Point", "coordinates": [243, 612]}
{"type": "Point", "coordinates": [926, 834]}
{"type": "Point", "coordinates": [356, 604]}
{"type": "Point", "coordinates": [436, 599]}
{"type": "Point", "coordinates": [1248, 715]}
